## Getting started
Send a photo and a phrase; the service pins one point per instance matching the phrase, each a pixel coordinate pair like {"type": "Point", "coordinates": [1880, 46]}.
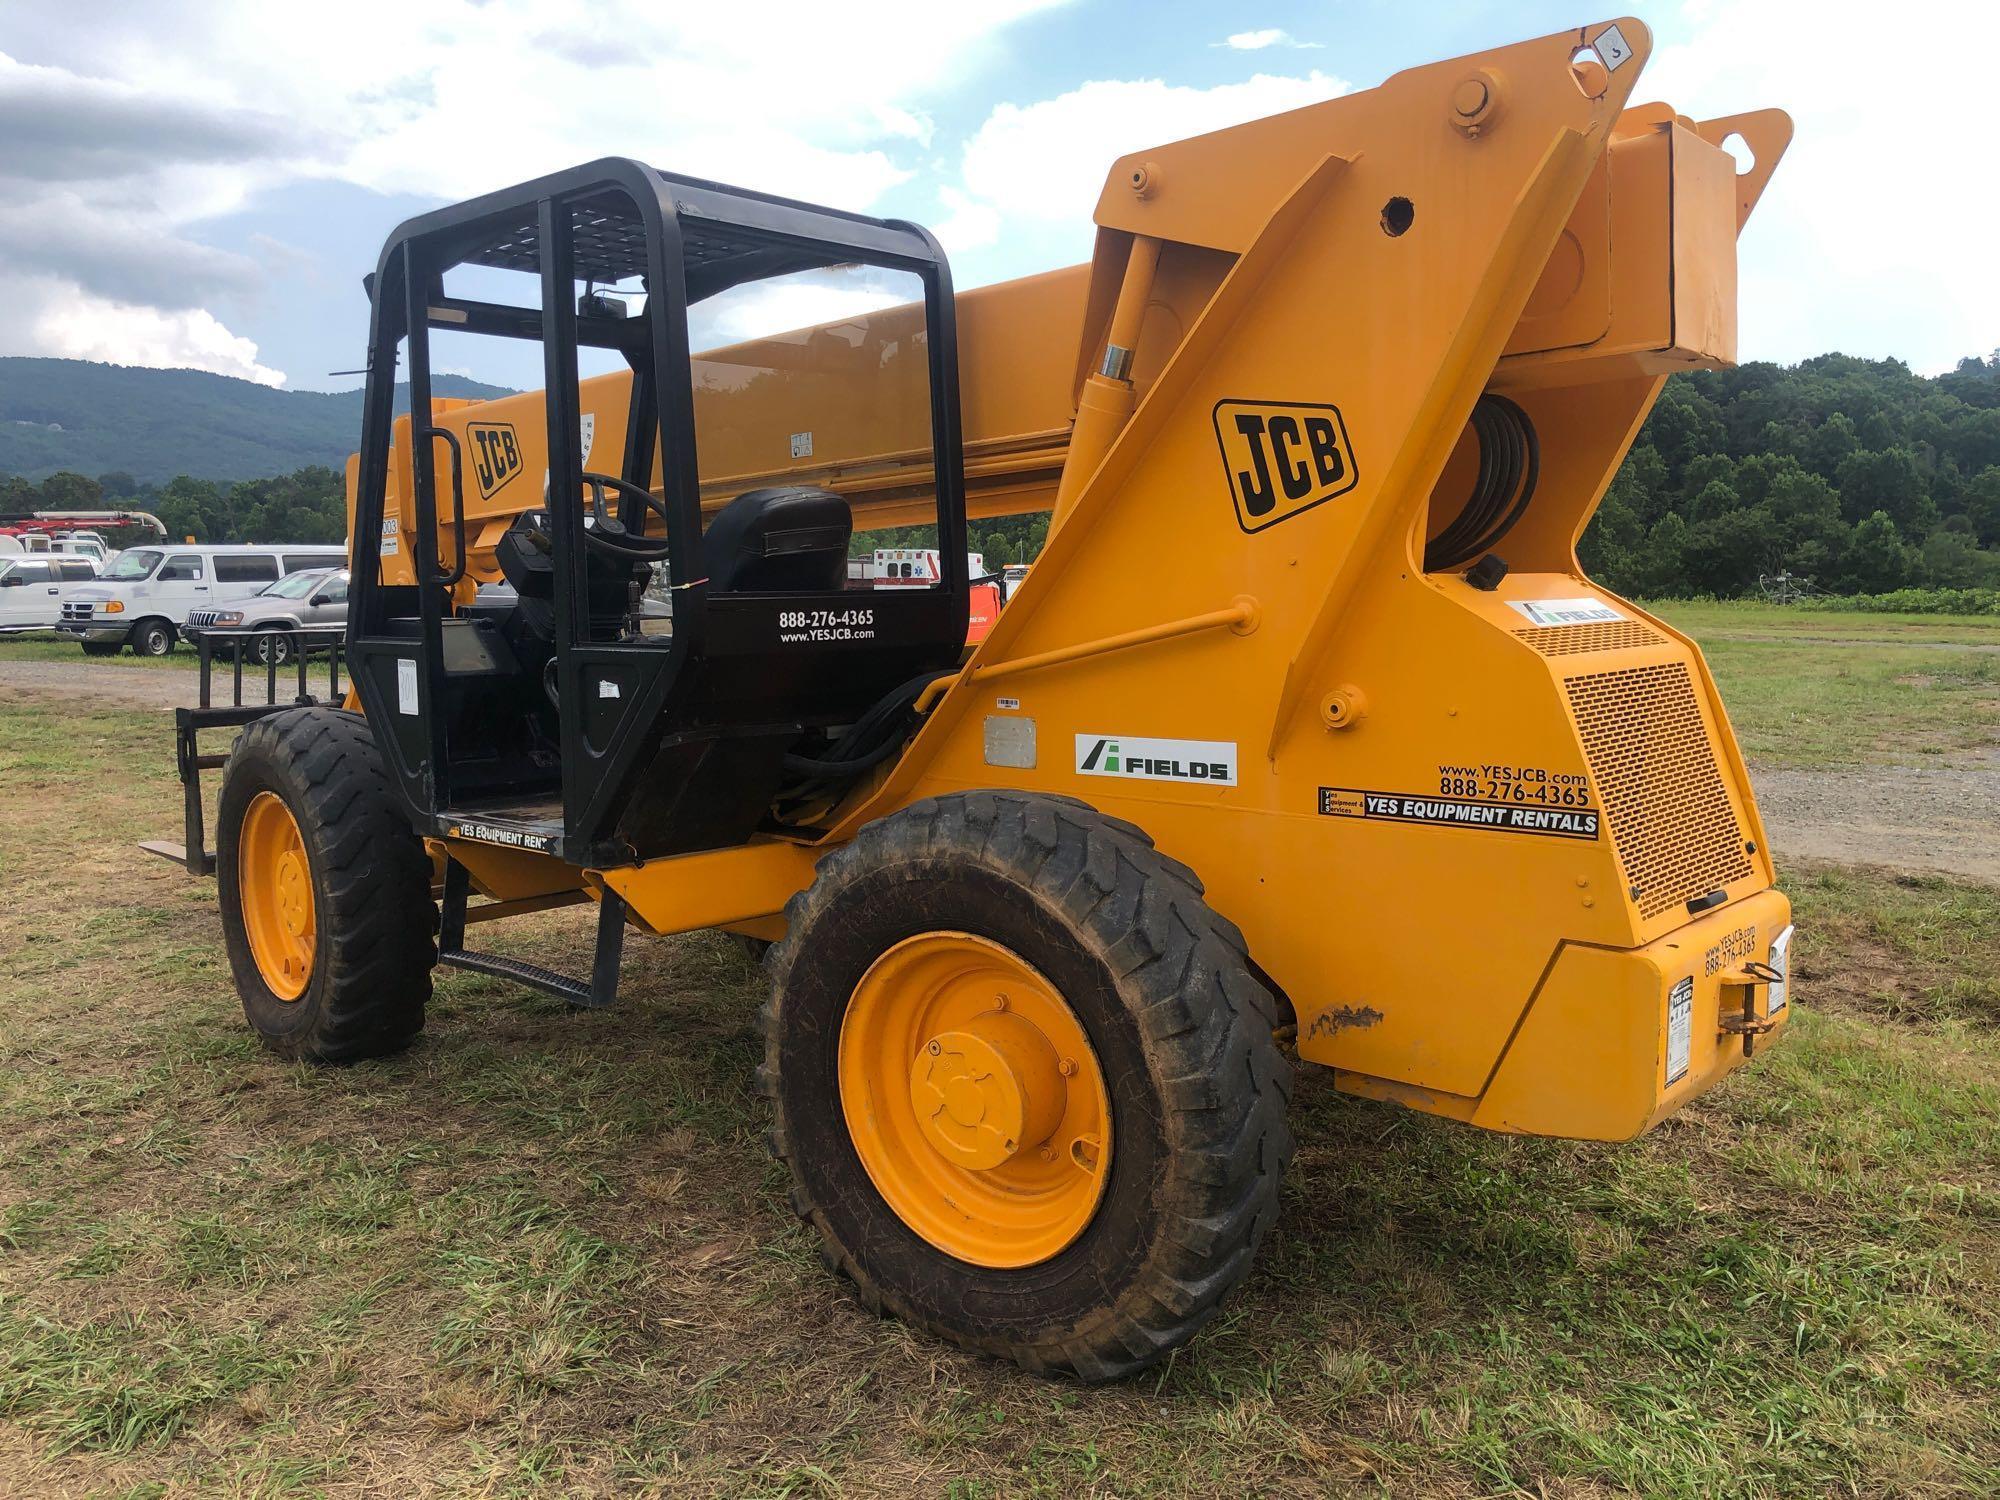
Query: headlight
{"type": "Point", "coordinates": [230, 617]}
{"type": "Point", "coordinates": [112, 607]}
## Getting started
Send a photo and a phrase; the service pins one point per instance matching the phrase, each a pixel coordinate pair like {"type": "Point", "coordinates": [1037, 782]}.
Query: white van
{"type": "Point", "coordinates": [43, 543]}
{"type": "Point", "coordinates": [33, 587]}
{"type": "Point", "coordinates": [143, 598]}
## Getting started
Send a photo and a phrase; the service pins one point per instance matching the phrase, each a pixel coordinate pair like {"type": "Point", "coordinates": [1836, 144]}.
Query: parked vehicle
{"type": "Point", "coordinates": [299, 610]}
{"type": "Point", "coordinates": [79, 533]}
{"type": "Point", "coordinates": [32, 589]}
{"type": "Point", "coordinates": [144, 598]}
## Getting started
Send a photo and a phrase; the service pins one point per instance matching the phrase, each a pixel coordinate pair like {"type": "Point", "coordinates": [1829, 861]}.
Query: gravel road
{"type": "Point", "coordinates": [1944, 818]}
{"type": "Point", "coordinates": [103, 681]}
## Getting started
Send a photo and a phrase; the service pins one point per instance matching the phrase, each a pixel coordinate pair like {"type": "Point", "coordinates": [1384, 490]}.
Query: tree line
{"type": "Point", "coordinates": [1859, 474]}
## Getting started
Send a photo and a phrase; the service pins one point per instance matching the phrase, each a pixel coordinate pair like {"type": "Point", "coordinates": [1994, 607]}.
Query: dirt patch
{"type": "Point", "coordinates": [1944, 818]}
{"type": "Point", "coordinates": [99, 681]}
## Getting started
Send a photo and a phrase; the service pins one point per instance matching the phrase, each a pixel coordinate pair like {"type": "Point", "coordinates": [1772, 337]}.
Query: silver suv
{"type": "Point", "coordinates": [297, 612]}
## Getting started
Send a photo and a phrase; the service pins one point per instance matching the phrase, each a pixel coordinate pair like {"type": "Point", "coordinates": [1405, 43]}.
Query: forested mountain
{"type": "Point", "coordinates": [1857, 473]}
{"type": "Point", "coordinates": [70, 414]}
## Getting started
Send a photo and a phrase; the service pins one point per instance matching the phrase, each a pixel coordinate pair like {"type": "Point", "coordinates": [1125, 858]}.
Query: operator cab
{"type": "Point", "coordinates": [612, 619]}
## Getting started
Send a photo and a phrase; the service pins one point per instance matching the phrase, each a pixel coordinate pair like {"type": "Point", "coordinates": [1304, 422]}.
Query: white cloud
{"type": "Point", "coordinates": [1048, 161]}
{"type": "Point", "coordinates": [465, 96]}
{"type": "Point", "coordinates": [1257, 41]}
{"type": "Point", "coordinates": [50, 316]}
{"type": "Point", "coordinates": [1876, 235]}
{"type": "Point", "coordinates": [968, 224]}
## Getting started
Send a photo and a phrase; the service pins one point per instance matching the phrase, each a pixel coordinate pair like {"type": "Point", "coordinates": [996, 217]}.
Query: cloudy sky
{"type": "Point", "coordinates": [203, 182]}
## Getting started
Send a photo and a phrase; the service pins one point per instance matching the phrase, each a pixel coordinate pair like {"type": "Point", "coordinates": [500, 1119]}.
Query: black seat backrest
{"type": "Point", "coordinates": [786, 539]}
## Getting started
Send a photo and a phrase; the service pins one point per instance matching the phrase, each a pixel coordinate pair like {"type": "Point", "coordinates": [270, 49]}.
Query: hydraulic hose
{"type": "Point", "coordinates": [1510, 463]}
{"type": "Point", "coordinates": [869, 740]}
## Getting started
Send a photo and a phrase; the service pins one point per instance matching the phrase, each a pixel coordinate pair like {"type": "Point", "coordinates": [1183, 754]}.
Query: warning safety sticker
{"type": "Point", "coordinates": [1458, 812]}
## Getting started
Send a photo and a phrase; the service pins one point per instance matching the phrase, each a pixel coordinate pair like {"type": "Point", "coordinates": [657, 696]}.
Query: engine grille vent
{"type": "Point", "coordinates": [1663, 795]}
{"type": "Point", "coordinates": [1603, 635]}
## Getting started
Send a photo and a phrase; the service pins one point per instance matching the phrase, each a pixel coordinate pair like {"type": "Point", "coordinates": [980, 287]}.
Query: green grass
{"type": "Point", "coordinates": [545, 1253]}
{"type": "Point", "coordinates": [62, 648]}
{"type": "Point", "coordinates": [1747, 618]}
{"type": "Point", "coordinates": [1824, 689]}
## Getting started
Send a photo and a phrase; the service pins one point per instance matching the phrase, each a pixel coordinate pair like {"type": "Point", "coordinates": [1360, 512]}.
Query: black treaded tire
{"type": "Point", "coordinates": [1182, 1029]}
{"type": "Point", "coordinates": [371, 880]}
{"type": "Point", "coordinates": [152, 638]}
{"type": "Point", "coordinates": [102, 648]}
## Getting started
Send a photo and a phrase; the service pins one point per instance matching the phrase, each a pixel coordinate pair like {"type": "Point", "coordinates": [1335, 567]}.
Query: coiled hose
{"type": "Point", "coordinates": [1510, 461]}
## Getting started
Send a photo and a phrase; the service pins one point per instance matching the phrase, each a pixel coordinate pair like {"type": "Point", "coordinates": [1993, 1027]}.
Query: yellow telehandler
{"type": "Point", "coordinates": [1305, 733]}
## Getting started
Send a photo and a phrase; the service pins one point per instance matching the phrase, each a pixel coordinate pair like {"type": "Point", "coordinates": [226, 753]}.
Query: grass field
{"type": "Point", "coordinates": [1821, 689]}
{"type": "Point", "coordinates": [544, 1252]}
{"type": "Point", "coordinates": [61, 649]}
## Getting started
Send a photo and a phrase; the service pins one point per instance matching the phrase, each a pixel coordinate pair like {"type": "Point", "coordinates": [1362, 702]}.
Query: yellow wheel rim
{"type": "Point", "coordinates": [975, 1100]}
{"type": "Point", "coordinates": [274, 883]}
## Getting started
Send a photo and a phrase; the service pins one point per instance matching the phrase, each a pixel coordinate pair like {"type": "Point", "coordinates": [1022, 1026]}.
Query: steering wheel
{"type": "Point", "coordinates": [609, 533]}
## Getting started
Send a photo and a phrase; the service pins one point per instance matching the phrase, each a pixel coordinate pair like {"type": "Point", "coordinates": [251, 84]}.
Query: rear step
{"type": "Point", "coordinates": [597, 991]}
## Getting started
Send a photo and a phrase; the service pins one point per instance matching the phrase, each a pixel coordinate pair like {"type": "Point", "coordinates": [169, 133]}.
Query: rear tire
{"type": "Point", "coordinates": [102, 648]}
{"type": "Point", "coordinates": [1179, 1028]}
{"type": "Point", "coordinates": [369, 925]}
{"type": "Point", "coordinates": [152, 638]}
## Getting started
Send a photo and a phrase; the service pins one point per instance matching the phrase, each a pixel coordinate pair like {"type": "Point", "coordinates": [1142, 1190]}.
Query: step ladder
{"type": "Point", "coordinates": [593, 993]}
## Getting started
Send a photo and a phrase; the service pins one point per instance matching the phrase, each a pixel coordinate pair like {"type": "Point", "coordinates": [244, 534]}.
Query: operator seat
{"type": "Point", "coordinates": [782, 540]}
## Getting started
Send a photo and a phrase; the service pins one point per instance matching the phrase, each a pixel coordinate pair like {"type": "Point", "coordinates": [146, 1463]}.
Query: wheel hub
{"type": "Point", "coordinates": [294, 895]}
{"type": "Point", "coordinates": [986, 1092]}
{"type": "Point", "coordinates": [975, 1100]}
{"type": "Point", "coordinates": [274, 887]}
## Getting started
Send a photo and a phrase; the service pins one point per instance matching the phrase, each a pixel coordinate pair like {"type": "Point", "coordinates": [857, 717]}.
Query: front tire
{"type": "Point", "coordinates": [102, 648]}
{"type": "Point", "coordinates": [274, 647]}
{"type": "Point", "coordinates": [152, 638]}
{"type": "Point", "coordinates": [877, 1048]}
{"type": "Point", "coordinates": [325, 890]}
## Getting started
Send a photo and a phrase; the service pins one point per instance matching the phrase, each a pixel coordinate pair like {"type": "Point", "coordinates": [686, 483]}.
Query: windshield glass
{"type": "Point", "coordinates": [838, 357]}
{"type": "Point", "coordinates": [138, 563]}
{"type": "Point", "coordinates": [295, 586]}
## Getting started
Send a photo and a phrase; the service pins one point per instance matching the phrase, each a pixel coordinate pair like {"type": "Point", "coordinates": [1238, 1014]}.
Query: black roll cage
{"type": "Point", "coordinates": [689, 238]}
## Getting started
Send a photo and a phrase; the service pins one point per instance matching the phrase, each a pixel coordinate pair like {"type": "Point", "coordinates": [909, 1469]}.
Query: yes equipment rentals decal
{"type": "Point", "coordinates": [1458, 812]}
{"type": "Point", "coordinates": [1209, 761]}
{"type": "Point", "coordinates": [511, 838]}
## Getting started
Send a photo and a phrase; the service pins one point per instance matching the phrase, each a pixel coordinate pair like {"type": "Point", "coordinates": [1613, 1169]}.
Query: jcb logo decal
{"type": "Point", "coordinates": [1282, 458]}
{"type": "Point", "coordinates": [496, 455]}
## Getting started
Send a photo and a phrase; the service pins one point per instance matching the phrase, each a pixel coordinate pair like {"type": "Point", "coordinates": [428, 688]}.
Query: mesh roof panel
{"type": "Point", "coordinates": [610, 244]}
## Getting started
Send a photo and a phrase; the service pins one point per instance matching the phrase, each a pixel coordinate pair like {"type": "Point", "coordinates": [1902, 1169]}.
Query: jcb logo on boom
{"type": "Point", "coordinates": [1282, 458]}
{"type": "Point", "coordinates": [496, 455]}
